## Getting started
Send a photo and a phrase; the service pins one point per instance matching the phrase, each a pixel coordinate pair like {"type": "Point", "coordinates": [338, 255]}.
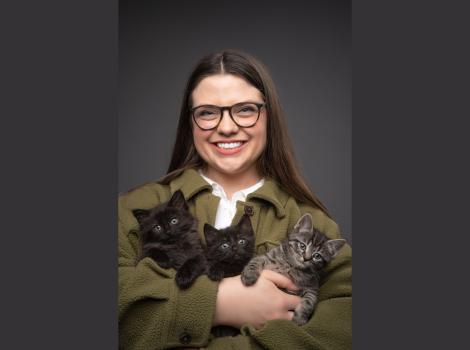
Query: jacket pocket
{"type": "Point", "coordinates": [150, 263]}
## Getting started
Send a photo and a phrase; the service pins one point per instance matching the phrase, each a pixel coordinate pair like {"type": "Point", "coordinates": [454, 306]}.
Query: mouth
{"type": "Point", "coordinates": [228, 148]}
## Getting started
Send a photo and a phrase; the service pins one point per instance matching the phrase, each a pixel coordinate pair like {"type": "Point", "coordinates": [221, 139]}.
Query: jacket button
{"type": "Point", "coordinates": [249, 210]}
{"type": "Point", "coordinates": [185, 338]}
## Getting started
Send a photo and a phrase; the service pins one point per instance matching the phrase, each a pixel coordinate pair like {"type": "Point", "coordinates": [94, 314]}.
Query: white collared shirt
{"type": "Point", "coordinates": [228, 207]}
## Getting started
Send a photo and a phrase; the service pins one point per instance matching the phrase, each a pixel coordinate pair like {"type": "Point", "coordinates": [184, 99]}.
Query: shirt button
{"type": "Point", "coordinates": [185, 338]}
{"type": "Point", "coordinates": [249, 210]}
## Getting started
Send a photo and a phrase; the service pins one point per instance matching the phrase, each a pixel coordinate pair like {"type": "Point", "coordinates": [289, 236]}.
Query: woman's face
{"type": "Point", "coordinates": [229, 149]}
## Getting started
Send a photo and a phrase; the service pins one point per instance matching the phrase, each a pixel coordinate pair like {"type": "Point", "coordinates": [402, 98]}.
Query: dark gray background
{"type": "Point", "coordinates": [307, 48]}
{"type": "Point", "coordinates": [62, 180]}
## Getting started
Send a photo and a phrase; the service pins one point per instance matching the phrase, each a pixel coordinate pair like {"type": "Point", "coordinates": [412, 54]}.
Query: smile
{"type": "Point", "coordinates": [229, 148]}
{"type": "Point", "coordinates": [229, 145]}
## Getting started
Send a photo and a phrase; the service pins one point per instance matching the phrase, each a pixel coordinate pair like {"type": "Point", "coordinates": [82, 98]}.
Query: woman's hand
{"type": "Point", "coordinates": [237, 304]}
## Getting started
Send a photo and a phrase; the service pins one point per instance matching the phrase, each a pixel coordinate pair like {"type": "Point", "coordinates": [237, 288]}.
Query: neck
{"type": "Point", "coordinates": [232, 183]}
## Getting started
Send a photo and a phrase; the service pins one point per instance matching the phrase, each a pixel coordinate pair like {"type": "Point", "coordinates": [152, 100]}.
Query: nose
{"type": "Point", "coordinates": [227, 125]}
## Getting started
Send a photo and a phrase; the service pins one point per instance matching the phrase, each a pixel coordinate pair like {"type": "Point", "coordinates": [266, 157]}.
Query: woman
{"type": "Point", "coordinates": [232, 155]}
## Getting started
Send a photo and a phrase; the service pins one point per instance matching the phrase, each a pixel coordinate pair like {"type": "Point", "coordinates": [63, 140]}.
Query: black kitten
{"type": "Point", "coordinates": [169, 236]}
{"type": "Point", "coordinates": [228, 251]}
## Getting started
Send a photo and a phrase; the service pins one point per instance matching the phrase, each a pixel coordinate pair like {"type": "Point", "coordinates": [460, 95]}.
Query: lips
{"type": "Point", "coordinates": [229, 147]}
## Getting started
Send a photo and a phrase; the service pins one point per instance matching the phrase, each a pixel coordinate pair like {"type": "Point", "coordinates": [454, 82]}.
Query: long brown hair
{"type": "Point", "coordinates": [277, 160]}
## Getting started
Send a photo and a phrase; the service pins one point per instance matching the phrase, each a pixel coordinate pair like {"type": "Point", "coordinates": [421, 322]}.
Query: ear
{"type": "Point", "coordinates": [245, 224]}
{"type": "Point", "coordinates": [178, 201]}
{"type": "Point", "coordinates": [305, 223]}
{"type": "Point", "coordinates": [334, 245]}
{"type": "Point", "coordinates": [141, 214]}
{"type": "Point", "coordinates": [210, 233]}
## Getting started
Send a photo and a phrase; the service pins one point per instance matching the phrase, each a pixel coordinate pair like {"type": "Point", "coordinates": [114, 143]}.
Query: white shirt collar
{"type": "Point", "coordinates": [217, 190]}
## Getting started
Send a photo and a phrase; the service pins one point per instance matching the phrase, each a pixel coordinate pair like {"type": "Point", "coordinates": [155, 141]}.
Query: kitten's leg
{"type": "Point", "coordinates": [215, 272]}
{"type": "Point", "coordinates": [190, 270]}
{"type": "Point", "coordinates": [304, 310]}
{"type": "Point", "coordinates": [159, 257]}
{"type": "Point", "coordinates": [252, 270]}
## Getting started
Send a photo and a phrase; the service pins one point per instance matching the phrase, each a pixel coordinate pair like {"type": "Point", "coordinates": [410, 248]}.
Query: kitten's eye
{"type": "Point", "coordinates": [302, 246]}
{"type": "Point", "coordinates": [174, 221]}
{"type": "Point", "coordinates": [225, 246]}
{"type": "Point", "coordinates": [317, 256]}
{"type": "Point", "coordinates": [242, 241]}
{"type": "Point", "coordinates": [157, 228]}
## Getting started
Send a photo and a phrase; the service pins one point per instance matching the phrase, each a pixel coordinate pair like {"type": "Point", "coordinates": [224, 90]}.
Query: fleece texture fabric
{"type": "Point", "coordinates": [155, 314]}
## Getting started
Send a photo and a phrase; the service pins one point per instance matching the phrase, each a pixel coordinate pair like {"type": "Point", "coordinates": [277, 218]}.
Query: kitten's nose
{"type": "Point", "coordinates": [307, 257]}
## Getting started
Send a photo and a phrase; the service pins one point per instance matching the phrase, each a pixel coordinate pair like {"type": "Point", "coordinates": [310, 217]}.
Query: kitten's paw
{"type": "Point", "coordinates": [249, 277]}
{"type": "Point", "coordinates": [215, 275]}
{"type": "Point", "coordinates": [183, 281]}
{"type": "Point", "coordinates": [299, 320]}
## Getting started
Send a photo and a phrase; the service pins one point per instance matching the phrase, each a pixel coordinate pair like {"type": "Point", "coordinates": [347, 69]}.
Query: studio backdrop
{"type": "Point", "coordinates": [306, 46]}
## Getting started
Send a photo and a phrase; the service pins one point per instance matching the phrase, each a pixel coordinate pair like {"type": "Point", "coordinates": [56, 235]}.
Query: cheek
{"type": "Point", "coordinates": [260, 135]}
{"type": "Point", "coordinates": [200, 139]}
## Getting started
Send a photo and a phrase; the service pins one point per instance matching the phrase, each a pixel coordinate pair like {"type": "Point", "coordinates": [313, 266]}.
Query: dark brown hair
{"type": "Point", "coordinates": [277, 160]}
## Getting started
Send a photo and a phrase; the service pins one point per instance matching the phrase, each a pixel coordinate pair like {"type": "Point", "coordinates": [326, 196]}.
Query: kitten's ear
{"type": "Point", "coordinates": [305, 223]}
{"type": "Point", "coordinates": [334, 245]}
{"type": "Point", "coordinates": [210, 233]}
{"type": "Point", "coordinates": [141, 214]}
{"type": "Point", "coordinates": [245, 224]}
{"type": "Point", "coordinates": [178, 201]}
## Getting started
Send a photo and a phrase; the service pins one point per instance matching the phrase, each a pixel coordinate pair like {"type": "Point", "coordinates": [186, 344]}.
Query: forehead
{"type": "Point", "coordinates": [224, 90]}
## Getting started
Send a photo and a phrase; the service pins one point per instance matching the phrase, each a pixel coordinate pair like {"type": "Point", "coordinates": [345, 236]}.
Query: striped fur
{"type": "Point", "coordinates": [301, 257]}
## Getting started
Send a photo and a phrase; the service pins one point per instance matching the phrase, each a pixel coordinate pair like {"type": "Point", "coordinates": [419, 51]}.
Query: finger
{"type": "Point", "coordinates": [292, 301]}
{"type": "Point", "coordinates": [290, 315]}
{"type": "Point", "coordinates": [279, 280]}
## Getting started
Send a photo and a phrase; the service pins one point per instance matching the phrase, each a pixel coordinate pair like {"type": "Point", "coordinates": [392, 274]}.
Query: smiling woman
{"type": "Point", "coordinates": [228, 149]}
{"type": "Point", "coordinates": [232, 157]}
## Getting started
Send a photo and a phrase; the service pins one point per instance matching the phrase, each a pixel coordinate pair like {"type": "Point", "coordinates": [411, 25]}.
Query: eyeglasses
{"type": "Point", "coordinates": [243, 114]}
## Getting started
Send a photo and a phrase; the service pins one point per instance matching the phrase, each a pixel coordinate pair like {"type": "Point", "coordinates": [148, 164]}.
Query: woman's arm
{"type": "Point", "coordinates": [238, 305]}
{"type": "Point", "coordinates": [329, 328]}
{"type": "Point", "coordinates": [153, 312]}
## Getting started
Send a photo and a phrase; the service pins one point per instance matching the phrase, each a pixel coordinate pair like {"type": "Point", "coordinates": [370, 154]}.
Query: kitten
{"type": "Point", "coordinates": [228, 251]}
{"type": "Point", "coordinates": [301, 257]}
{"type": "Point", "coordinates": [170, 237]}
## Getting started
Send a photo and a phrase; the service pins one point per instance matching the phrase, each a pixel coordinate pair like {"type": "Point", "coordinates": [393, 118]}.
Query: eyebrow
{"type": "Point", "coordinates": [213, 105]}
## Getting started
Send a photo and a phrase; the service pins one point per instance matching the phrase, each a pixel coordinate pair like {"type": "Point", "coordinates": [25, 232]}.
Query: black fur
{"type": "Point", "coordinates": [228, 251]}
{"type": "Point", "coordinates": [169, 236]}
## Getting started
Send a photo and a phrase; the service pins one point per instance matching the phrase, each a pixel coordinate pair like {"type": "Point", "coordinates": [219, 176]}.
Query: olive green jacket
{"type": "Point", "coordinates": [155, 314]}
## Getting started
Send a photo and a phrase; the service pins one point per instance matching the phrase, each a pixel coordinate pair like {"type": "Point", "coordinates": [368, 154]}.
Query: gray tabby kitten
{"type": "Point", "coordinates": [300, 257]}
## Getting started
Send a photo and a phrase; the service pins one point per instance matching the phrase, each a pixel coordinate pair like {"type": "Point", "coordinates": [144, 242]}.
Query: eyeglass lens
{"type": "Point", "coordinates": [244, 115]}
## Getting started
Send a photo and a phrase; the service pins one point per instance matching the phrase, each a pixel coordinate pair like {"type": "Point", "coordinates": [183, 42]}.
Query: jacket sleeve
{"type": "Point", "coordinates": [153, 312]}
{"type": "Point", "coordinates": [330, 326]}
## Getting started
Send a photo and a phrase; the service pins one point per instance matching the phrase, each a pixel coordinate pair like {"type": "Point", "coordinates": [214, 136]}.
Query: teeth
{"type": "Point", "coordinates": [229, 145]}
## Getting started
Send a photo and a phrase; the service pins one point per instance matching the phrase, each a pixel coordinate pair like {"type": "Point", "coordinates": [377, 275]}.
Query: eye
{"type": "Point", "coordinates": [247, 109]}
{"type": "Point", "coordinates": [317, 256]}
{"type": "Point", "coordinates": [174, 221]}
{"type": "Point", "coordinates": [204, 113]}
{"type": "Point", "coordinates": [224, 246]}
{"type": "Point", "coordinates": [302, 246]}
{"type": "Point", "coordinates": [241, 241]}
{"type": "Point", "coordinates": [157, 228]}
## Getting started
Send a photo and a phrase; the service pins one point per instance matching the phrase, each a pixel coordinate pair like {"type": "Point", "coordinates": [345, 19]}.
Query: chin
{"type": "Point", "coordinates": [231, 170]}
